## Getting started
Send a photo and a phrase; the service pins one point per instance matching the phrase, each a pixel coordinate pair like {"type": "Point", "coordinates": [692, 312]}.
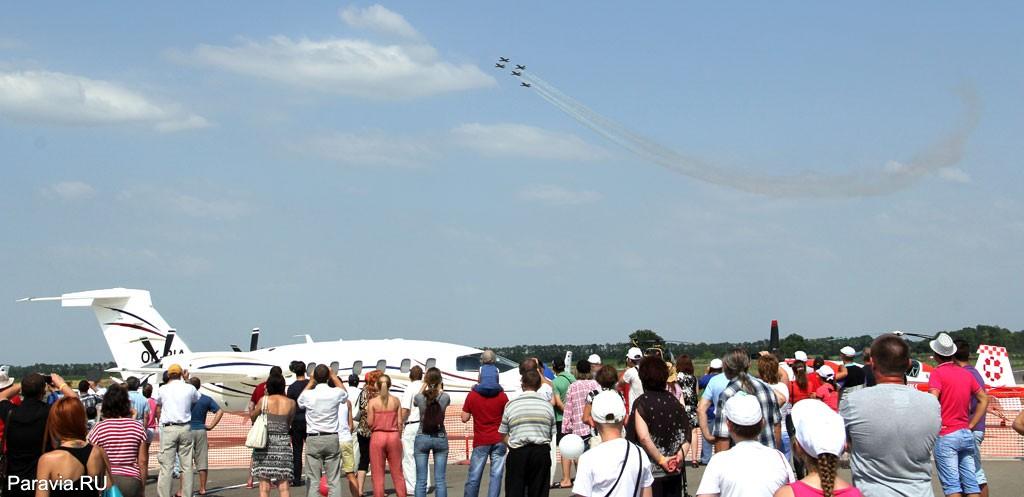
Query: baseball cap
{"type": "Point", "coordinates": [5, 376]}
{"type": "Point", "coordinates": [826, 372]}
{"type": "Point", "coordinates": [174, 369]}
{"type": "Point", "coordinates": [716, 363]}
{"type": "Point", "coordinates": [848, 351]}
{"type": "Point", "coordinates": [634, 353]}
{"type": "Point", "coordinates": [800, 355]}
{"type": "Point", "coordinates": [608, 408]}
{"type": "Point", "coordinates": [594, 359]}
{"type": "Point", "coordinates": [743, 409]}
{"type": "Point", "coordinates": [819, 429]}
{"type": "Point", "coordinates": [943, 345]}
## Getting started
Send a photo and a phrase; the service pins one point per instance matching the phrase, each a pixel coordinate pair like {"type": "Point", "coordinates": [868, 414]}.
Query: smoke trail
{"type": "Point", "coordinates": [945, 152]}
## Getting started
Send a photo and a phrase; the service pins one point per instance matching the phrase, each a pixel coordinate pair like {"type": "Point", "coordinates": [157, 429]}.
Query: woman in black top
{"type": "Point", "coordinates": [659, 424]}
{"type": "Point", "coordinates": [74, 468]}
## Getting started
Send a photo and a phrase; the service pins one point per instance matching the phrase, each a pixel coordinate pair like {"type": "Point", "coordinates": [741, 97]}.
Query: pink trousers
{"type": "Point", "coordinates": [386, 446]}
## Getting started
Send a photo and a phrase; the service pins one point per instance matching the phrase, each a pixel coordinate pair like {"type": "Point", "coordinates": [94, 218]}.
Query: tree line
{"type": "Point", "coordinates": [827, 347]}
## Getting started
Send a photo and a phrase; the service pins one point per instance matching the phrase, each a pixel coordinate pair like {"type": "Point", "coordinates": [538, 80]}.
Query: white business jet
{"type": "Point", "coordinates": [144, 345]}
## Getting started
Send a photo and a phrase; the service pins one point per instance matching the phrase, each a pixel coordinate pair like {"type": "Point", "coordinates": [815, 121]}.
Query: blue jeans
{"type": "Point", "coordinates": [954, 460]}
{"type": "Point", "coordinates": [706, 449]}
{"type": "Point", "coordinates": [979, 436]}
{"type": "Point", "coordinates": [425, 444]}
{"type": "Point", "coordinates": [496, 453]}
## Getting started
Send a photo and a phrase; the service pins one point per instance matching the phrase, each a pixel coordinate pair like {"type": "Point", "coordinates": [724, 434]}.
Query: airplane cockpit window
{"type": "Point", "coordinates": [431, 363]}
{"type": "Point", "coordinates": [357, 368]}
{"type": "Point", "coordinates": [406, 365]}
{"type": "Point", "coordinates": [471, 362]}
{"type": "Point", "coordinates": [335, 366]}
{"type": "Point", "coordinates": [382, 365]}
{"type": "Point", "coordinates": [915, 368]}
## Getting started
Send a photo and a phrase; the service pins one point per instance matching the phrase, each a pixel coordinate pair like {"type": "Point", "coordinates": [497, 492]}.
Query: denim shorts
{"type": "Point", "coordinates": [954, 460]}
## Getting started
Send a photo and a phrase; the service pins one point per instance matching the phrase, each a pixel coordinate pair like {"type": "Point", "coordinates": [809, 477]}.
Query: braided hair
{"type": "Point", "coordinates": [827, 466]}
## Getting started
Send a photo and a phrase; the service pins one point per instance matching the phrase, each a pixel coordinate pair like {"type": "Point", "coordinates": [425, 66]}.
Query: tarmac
{"type": "Point", "coordinates": [1006, 478]}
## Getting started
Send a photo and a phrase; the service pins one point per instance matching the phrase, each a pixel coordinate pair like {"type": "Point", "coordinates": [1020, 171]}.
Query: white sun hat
{"type": "Point", "coordinates": [819, 429]}
{"type": "Point", "coordinates": [943, 345]}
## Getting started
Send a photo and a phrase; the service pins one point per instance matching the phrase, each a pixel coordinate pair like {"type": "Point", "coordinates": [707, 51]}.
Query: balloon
{"type": "Point", "coordinates": [571, 447]}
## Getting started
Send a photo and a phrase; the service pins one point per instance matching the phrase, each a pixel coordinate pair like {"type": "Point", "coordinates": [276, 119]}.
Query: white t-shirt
{"type": "Point", "coordinates": [321, 404]}
{"type": "Point", "coordinates": [546, 391]}
{"type": "Point", "coordinates": [407, 400]}
{"type": "Point", "coordinates": [175, 400]}
{"type": "Point", "coordinates": [344, 433]}
{"type": "Point", "coordinates": [636, 388]}
{"type": "Point", "coordinates": [783, 390]}
{"type": "Point", "coordinates": [599, 467]}
{"type": "Point", "coordinates": [747, 470]}
{"type": "Point", "coordinates": [788, 369]}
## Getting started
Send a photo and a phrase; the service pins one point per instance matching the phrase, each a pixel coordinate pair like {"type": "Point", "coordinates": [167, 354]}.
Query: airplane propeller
{"type": "Point", "coordinates": [254, 341]}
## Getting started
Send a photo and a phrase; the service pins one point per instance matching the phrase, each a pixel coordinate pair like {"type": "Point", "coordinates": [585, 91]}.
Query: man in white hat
{"type": "Point", "coordinates": [850, 376]}
{"type": "Point", "coordinates": [749, 469]}
{"type": "Point", "coordinates": [954, 450]}
{"type": "Point", "coordinates": [616, 468]}
{"type": "Point", "coordinates": [631, 376]}
{"type": "Point", "coordinates": [595, 363]}
{"type": "Point", "coordinates": [711, 386]}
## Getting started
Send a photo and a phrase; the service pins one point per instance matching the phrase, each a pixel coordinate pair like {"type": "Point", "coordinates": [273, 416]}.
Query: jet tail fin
{"type": "Point", "coordinates": [994, 366]}
{"type": "Point", "coordinates": [134, 330]}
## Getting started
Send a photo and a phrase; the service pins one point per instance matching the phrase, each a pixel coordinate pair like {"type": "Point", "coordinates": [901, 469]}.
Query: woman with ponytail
{"type": "Point", "coordinates": [734, 366]}
{"type": "Point", "coordinates": [432, 437]}
{"type": "Point", "coordinates": [820, 440]}
{"type": "Point", "coordinates": [382, 414]}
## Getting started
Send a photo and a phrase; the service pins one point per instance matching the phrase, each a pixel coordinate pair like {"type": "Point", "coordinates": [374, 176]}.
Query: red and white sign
{"type": "Point", "coordinates": [994, 365]}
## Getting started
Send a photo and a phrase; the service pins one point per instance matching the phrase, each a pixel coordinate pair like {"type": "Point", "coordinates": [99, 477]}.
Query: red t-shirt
{"type": "Point", "coordinates": [796, 394]}
{"type": "Point", "coordinates": [258, 393]}
{"type": "Point", "coordinates": [828, 394]}
{"type": "Point", "coordinates": [956, 387]}
{"type": "Point", "coordinates": [486, 413]}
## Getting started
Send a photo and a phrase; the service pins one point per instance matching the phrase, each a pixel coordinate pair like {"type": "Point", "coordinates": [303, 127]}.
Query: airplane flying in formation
{"type": "Point", "coordinates": [499, 65]}
{"type": "Point", "coordinates": [525, 84]}
{"type": "Point", "coordinates": [521, 67]}
{"type": "Point", "coordinates": [517, 73]}
{"type": "Point", "coordinates": [502, 59]}
{"type": "Point", "coordinates": [144, 345]}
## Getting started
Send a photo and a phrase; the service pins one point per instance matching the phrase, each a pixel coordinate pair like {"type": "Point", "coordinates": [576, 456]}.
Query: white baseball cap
{"type": "Point", "coordinates": [716, 363]}
{"type": "Point", "coordinates": [608, 407]}
{"type": "Point", "coordinates": [848, 351]}
{"type": "Point", "coordinates": [635, 354]}
{"type": "Point", "coordinates": [819, 429]}
{"type": "Point", "coordinates": [826, 372]}
{"type": "Point", "coordinates": [943, 345]}
{"type": "Point", "coordinates": [800, 355]}
{"type": "Point", "coordinates": [594, 359]}
{"type": "Point", "coordinates": [5, 376]}
{"type": "Point", "coordinates": [743, 409]}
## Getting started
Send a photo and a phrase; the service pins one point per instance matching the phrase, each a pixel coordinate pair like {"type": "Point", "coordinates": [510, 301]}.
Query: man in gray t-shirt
{"type": "Point", "coordinates": [891, 427]}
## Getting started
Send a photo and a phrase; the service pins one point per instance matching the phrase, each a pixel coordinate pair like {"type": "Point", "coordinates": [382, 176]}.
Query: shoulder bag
{"type": "Point", "coordinates": [257, 438]}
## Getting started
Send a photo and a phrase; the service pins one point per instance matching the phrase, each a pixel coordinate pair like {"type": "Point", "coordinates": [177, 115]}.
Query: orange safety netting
{"type": "Point", "coordinates": [228, 450]}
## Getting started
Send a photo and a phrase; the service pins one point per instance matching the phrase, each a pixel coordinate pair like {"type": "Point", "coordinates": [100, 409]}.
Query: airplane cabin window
{"type": "Point", "coordinates": [357, 368]}
{"type": "Point", "coordinates": [382, 365]}
{"type": "Point", "coordinates": [406, 365]}
{"type": "Point", "coordinates": [431, 363]}
{"type": "Point", "coordinates": [335, 366]}
{"type": "Point", "coordinates": [309, 368]}
{"type": "Point", "coordinates": [505, 364]}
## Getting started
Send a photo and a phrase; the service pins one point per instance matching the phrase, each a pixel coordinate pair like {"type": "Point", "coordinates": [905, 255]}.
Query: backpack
{"type": "Point", "coordinates": [432, 421]}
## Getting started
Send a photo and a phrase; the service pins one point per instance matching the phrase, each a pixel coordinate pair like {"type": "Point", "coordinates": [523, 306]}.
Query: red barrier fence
{"type": "Point", "coordinates": [227, 441]}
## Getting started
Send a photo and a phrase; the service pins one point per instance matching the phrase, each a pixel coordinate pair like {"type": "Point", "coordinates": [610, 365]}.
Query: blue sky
{"type": "Point", "coordinates": [361, 170]}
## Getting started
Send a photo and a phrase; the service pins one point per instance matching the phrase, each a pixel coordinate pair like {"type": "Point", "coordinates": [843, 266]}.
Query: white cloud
{"type": "Point", "coordinates": [343, 66]}
{"type": "Point", "coordinates": [372, 148]}
{"type": "Point", "coordinates": [377, 18]}
{"type": "Point", "coordinates": [67, 99]}
{"type": "Point", "coordinates": [556, 195]}
{"type": "Point", "coordinates": [954, 175]}
{"type": "Point", "coordinates": [521, 140]}
{"type": "Point", "coordinates": [220, 208]}
{"type": "Point", "coordinates": [70, 190]}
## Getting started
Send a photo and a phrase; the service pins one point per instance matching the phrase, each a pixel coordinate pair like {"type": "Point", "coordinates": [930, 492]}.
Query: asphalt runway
{"type": "Point", "coordinates": [1006, 479]}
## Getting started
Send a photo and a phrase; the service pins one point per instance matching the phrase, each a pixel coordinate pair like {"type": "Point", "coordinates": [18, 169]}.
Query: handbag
{"type": "Point", "coordinates": [257, 438]}
{"type": "Point", "coordinates": [112, 491]}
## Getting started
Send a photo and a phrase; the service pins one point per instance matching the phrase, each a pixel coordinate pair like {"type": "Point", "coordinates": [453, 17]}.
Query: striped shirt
{"type": "Point", "coordinates": [575, 400]}
{"type": "Point", "coordinates": [769, 410]}
{"type": "Point", "coordinates": [528, 420]}
{"type": "Point", "coordinates": [120, 439]}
